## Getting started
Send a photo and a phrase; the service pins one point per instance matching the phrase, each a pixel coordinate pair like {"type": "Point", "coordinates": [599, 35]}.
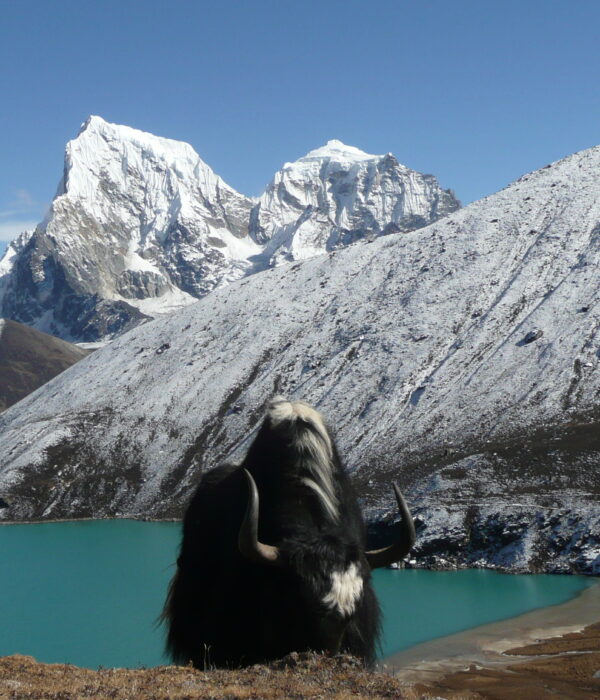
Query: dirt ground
{"type": "Point", "coordinates": [562, 667]}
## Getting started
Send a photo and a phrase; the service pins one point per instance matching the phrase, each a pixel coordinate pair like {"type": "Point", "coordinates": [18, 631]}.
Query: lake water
{"type": "Point", "coordinates": [89, 593]}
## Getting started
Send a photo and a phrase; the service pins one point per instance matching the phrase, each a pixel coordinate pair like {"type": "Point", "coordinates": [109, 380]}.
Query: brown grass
{"type": "Point", "coordinates": [30, 358]}
{"type": "Point", "coordinates": [586, 640]}
{"type": "Point", "coordinates": [297, 676]}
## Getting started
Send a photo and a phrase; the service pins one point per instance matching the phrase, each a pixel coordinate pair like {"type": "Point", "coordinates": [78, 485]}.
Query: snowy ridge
{"type": "Point", "coordinates": [8, 262]}
{"type": "Point", "coordinates": [12, 251]}
{"type": "Point", "coordinates": [460, 359]}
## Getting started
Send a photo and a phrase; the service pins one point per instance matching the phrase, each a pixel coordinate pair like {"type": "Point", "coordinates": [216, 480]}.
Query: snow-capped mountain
{"type": "Point", "coordinates": [338, 194]}
{"type": "Point", "coordinates": [141, 226]}
{"type": "Point", "coordinates": [461, 359]}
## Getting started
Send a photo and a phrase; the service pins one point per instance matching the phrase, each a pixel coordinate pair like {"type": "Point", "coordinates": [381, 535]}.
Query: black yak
{"type": "Point", "coordinates": [273, 558]}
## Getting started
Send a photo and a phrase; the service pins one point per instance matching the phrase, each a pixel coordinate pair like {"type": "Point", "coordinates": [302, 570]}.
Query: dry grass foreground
{"type": "Point", "coordinates": [562, 667]}
{"type": "Point", "coordinates": [297, 676]}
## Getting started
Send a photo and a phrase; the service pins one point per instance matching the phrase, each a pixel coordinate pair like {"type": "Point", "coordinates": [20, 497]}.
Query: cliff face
{"type": "Point", "coordinates": [460, 360]}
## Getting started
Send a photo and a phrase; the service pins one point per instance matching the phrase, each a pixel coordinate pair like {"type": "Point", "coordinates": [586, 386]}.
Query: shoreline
{"type": "Point", "coordinates": [85, 520]}
{"type": "Point", "coordinates": [486, 646]}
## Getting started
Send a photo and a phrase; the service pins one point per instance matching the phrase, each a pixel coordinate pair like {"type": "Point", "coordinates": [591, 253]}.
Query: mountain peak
{"type": "Point", "coordinates": [96, 127]}
{"type": "Point", "coordinates": [338, 194]}
{"type": "Point", "coordinates": [91, 122]}
{"type": "Point", "coordinates": [132, 212]}
{"type": "Point", "coordinates": [337, 150]}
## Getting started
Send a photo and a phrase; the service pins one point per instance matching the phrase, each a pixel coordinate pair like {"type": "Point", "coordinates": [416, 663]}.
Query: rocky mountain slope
{"type": "Point", "coordinates": [29, 359]}
{"type": "Point", "coordinates": [141, 226]}
{"type": "Point", "coordinates": [460, 359]}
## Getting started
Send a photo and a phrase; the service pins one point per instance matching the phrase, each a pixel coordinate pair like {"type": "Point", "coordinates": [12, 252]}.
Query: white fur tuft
{"type": "Point", "coordinates": [314, 444]}
{"type": "Point", "coordinates": [280, 409]}
{"type": "Point", "coordinates": [326, 500]}
{"type": "Point", "coordinates": [346, 589]}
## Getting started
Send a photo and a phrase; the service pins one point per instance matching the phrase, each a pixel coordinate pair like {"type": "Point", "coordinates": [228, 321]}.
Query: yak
{"type": "Point", "coordinates": [273, 557]}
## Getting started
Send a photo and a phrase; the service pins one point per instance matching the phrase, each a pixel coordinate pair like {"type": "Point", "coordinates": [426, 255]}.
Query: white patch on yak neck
{"type": "Point", "coordinates": [315, 445]}
{"type": "Point", "coordinates": [346, 589]}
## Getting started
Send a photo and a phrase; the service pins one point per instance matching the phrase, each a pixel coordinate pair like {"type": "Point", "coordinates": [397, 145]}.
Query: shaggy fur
{"type": "Point", "coordinates": [225, 610]}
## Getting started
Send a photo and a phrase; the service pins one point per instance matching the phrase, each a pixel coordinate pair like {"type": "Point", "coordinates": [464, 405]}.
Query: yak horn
{"type": "Point", "coordinates": [397, 551]}
{"type": "Point", "coordinates": [248, 543]}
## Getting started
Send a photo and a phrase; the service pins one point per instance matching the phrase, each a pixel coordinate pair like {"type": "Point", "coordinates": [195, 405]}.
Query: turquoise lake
{"type": "Point", "coordinates": [89, 593]}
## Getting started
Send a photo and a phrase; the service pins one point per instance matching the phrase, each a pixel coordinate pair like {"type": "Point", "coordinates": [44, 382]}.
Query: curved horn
{"type": "Point", "coordinates": [397, 551]}
{"type": "Point", "coordinates": [248, 543]}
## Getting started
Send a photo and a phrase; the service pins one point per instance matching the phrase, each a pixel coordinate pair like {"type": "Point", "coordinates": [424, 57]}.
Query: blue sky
{"type": "Point", "coordinates": [475, 92]}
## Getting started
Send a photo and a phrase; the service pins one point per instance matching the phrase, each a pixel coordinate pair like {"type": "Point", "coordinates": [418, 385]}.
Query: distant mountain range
{"type": "Point", "coordinates": [141, 226]}
{"type": "Point", "coordinates": [460, 359]}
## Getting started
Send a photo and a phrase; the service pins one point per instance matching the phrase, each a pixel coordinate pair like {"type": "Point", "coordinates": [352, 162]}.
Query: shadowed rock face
{"type": "Point", "coordinates": [29, 359]}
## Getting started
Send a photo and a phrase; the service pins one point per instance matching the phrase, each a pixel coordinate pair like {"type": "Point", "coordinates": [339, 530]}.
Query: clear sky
{"type": "Point", "coordinates": [476, 92]}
